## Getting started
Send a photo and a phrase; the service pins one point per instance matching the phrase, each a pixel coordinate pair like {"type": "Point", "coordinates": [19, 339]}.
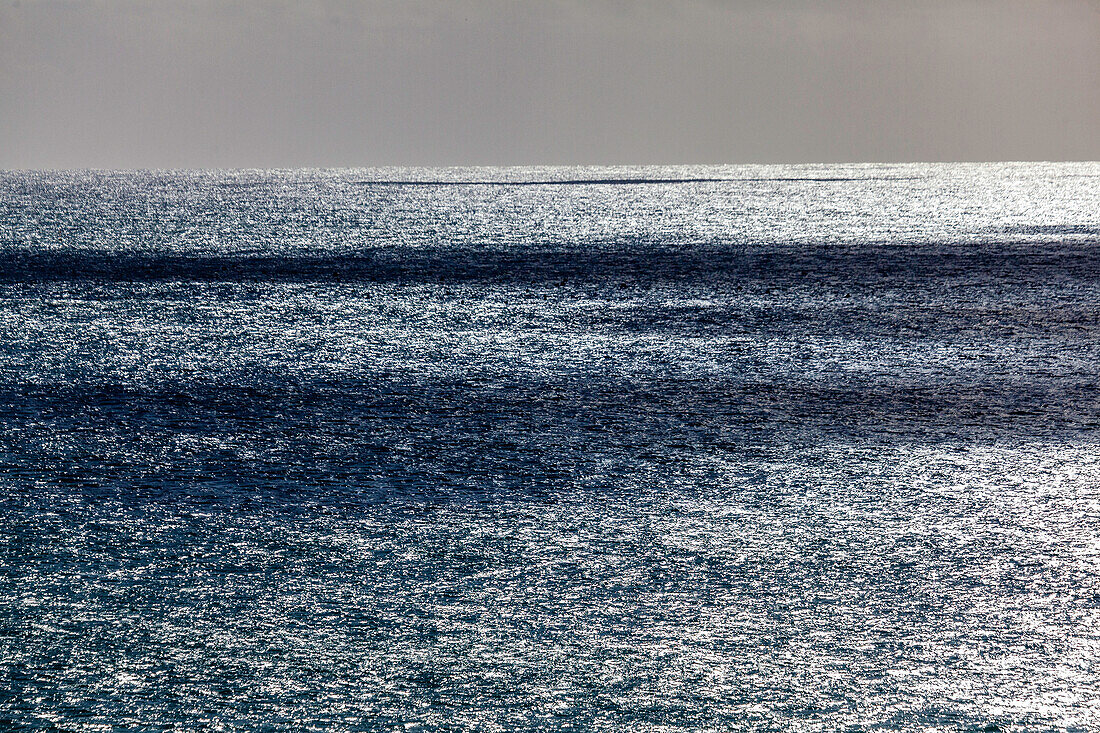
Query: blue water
{"type": "Point", "coordinates": [739, 448]}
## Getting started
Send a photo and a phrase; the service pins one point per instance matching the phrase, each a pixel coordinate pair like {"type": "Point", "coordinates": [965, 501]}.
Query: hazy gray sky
{"type": "Point", "coordinates": [258, 83]}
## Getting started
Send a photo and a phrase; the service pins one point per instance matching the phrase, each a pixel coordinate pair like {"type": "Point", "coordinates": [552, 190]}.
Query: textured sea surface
{"type": "Point", "coordinates": [742, 448]}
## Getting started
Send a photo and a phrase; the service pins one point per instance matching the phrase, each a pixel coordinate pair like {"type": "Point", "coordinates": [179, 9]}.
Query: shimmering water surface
{"type": "Point", "coordinates": [752, 448]}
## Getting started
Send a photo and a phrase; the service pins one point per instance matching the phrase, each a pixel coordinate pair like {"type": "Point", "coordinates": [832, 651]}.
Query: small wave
{"type": "Point", "coordinates": [1051, 229]}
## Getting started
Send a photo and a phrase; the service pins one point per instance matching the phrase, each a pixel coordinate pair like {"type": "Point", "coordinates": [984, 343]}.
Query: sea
{"type": "Point", "coordinates": [735, 448]}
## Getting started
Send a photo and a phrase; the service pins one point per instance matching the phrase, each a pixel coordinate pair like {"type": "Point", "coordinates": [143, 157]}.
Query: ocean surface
{"type": "Point", "coordinates": [807, 448]}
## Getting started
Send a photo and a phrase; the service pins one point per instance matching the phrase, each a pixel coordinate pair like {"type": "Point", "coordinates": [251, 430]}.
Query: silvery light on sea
{"type": "Point", "coordinates": [748, 448]}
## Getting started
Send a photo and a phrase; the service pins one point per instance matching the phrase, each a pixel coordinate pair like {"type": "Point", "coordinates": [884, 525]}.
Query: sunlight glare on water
{"type": "Point", "coordinates": [791, 447]}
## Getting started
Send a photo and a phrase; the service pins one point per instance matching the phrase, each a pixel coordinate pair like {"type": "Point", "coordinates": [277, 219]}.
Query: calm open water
{"type": "Point", "coordinates": [788, 448]}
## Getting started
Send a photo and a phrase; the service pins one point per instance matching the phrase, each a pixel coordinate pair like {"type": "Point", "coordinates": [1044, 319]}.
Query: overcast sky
{"type": "Point", "coordinates": [260, 83]}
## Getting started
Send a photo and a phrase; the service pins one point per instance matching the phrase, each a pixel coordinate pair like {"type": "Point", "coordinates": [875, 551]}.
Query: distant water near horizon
{"type": "Point", "coordinates": [625, 449]}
